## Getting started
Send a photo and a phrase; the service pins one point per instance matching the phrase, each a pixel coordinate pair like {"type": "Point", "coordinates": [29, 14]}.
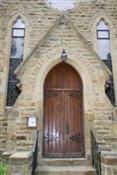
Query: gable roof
{"type": "Point", "coordinates": [62, 20]}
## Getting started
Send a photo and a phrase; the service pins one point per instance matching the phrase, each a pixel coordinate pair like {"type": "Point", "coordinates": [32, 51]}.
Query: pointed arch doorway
{"type": "Point", "coordinates": [63, 113]}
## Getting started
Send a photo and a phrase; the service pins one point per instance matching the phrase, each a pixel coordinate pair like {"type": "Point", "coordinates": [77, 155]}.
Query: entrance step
{"type": "Point", "coordinates": [65, 162]}
{"type": "Point", "coordinates": [65, 170]}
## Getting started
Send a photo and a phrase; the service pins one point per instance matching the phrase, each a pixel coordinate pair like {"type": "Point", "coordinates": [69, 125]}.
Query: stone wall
{"type": "Point", "coordinates": [10, 11]}
{"type": "Point", "coordinates": [3, 124]}
{"type": "Point", "coordinates": [47, 33]}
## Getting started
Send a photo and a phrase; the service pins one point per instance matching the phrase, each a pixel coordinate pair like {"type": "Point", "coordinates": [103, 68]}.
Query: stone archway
{"type": "Point", "coordinates": [34, 77]}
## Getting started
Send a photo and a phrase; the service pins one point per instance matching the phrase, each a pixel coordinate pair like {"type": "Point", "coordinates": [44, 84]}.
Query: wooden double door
{"type": "Point", "coordinates": [63, 113]}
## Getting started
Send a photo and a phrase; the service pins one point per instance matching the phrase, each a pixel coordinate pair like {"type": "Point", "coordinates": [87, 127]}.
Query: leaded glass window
{"type": "Point", "coordinates": [104, 52]}
{"type": "Point", "coordinates": [17, 44]}
{"type": "Point", "coordinates": [16, 57]}
{"type": "Point", "coordinates": [103, 37]}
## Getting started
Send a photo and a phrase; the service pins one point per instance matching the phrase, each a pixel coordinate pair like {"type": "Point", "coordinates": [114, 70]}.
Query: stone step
{"type": "Point", "coordinates": [65, 170]}
{"type": "Point", "coordinates": [65, 162]}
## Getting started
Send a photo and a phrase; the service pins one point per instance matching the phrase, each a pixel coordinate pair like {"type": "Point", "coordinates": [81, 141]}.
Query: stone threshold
{"type": "Point", "coordinates": [65, 168]}
{"type": "Point", "coordinates": [65, 162]}
{"type": "Point", "coordinates": [69, 159]}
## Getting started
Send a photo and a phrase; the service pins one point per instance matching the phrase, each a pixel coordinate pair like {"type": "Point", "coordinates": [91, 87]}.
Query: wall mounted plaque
{"type": "Point", "coordinates": [32, 123]}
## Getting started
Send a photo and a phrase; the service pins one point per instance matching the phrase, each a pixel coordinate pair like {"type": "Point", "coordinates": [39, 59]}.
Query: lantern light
{"type": "Point", "coordinates": [64, 55]}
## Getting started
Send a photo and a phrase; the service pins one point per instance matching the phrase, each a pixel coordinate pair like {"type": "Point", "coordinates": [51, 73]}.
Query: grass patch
{"type": "Point", "coordinates": [3, 169]}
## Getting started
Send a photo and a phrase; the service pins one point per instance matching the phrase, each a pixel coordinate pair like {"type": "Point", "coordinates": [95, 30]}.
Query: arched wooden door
{"type": "Point", "coordinates": [63, 113]}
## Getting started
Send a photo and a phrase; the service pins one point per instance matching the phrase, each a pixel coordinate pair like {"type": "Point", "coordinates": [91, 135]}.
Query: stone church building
{"type": "Point", "coordinates": [58, 87]}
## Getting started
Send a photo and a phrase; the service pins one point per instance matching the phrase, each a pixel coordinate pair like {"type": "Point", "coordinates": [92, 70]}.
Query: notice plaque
{"type": "Point", "coordinates": [32, 123]}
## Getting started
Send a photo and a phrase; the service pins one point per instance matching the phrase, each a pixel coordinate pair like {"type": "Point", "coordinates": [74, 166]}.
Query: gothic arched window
{"type": "Point", "coordinates": [16, 57]}
{"type": "Point", "coordinates": [104, 52]}
{"type": "Point", "coordinates": [103, 37]}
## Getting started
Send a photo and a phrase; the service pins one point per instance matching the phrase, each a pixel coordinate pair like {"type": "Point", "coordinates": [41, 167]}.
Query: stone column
{"type": "Point", "coordinates": [109, 164]}
{"type": "Point", "coordinates": [20, 163]}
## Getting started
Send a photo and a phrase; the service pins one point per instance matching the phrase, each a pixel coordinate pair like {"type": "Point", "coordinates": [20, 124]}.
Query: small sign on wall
{"type": "Point", "coordinates": [32, 122]}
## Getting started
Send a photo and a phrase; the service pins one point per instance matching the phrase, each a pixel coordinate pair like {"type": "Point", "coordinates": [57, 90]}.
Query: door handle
{"type": "Point", "coordinates": [66, 127]}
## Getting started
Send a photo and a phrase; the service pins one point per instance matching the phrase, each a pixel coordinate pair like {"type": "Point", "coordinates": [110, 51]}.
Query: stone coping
{"type": "Point", "coordinates": [6, 153]}
{"type": "Point", "coordinates": [20, 157]}
{"type": "Point", "coordinates": [110, 160]}
{"type": "Point", "coordinates": [109, 153]}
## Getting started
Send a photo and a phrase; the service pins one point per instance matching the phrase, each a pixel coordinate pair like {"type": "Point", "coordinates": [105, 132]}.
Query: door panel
{"type": "Point", "coordinates": [63, 113]}
{"type": "Point", "coordinates": [72, 112]}
{"type": "Point", "coordinates": [52, 123]}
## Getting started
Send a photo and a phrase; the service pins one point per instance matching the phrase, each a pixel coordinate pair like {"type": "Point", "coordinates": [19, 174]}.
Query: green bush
{"type": "Point", "coordinates": [3, 169]}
